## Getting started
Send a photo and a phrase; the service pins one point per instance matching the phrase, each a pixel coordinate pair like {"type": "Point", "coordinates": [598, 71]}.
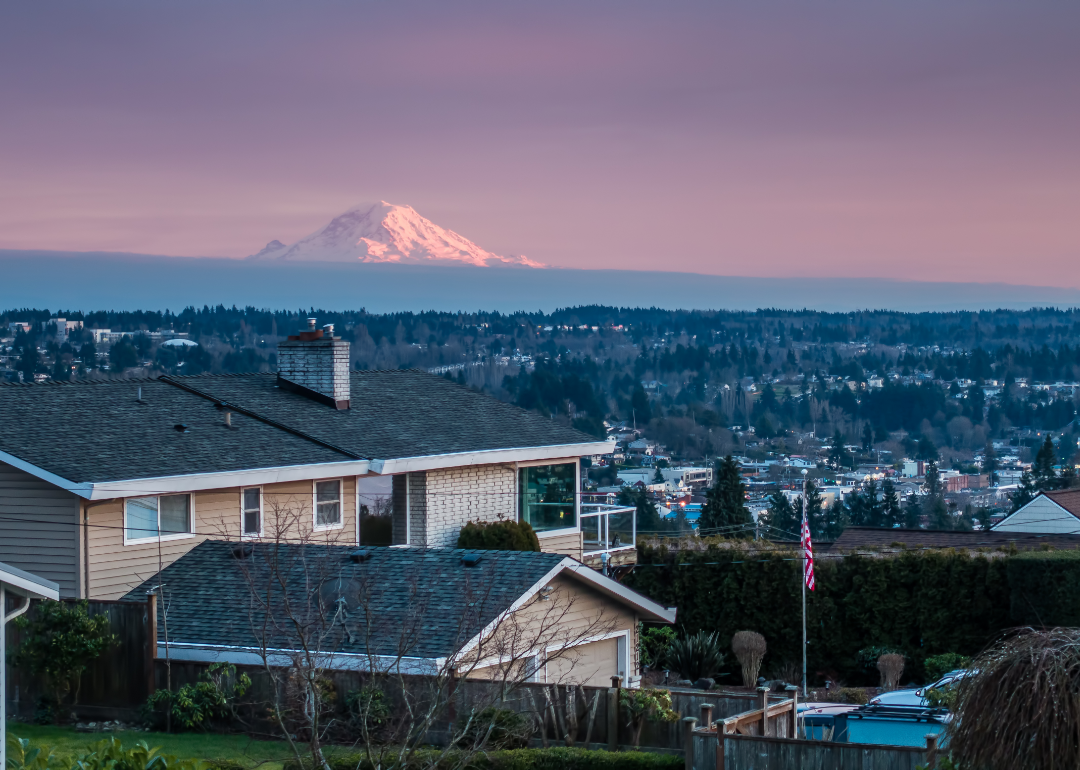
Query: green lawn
{"type": "Point", "coordinates": [268, 755]}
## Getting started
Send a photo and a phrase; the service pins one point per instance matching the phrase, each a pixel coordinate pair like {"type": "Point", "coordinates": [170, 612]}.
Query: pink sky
{"type": "Point", "coordinates": [919, 140]}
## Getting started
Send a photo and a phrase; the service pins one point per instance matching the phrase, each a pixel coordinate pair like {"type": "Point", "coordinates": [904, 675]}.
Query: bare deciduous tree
{"type": "Point", "coordinates": [434, 669]}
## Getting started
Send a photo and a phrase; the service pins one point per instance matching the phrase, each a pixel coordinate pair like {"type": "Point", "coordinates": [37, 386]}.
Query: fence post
{"type": "Point", "coordinates": [793, 693]}
{"type": "Point", "coordinates": [613, 719]}
{"type": "Point", "coordinates": [151, 642]}
{"type": "Point", "coordinates": [688, 725]}
{"type": "Point", "coordinates": [931, 752]}
{"type": "Point", "coordinates": [721, 736]}
{"type": "Point", "coordinates": [706, 716]}
{"type": "Point", "coordinates": [764, 693]}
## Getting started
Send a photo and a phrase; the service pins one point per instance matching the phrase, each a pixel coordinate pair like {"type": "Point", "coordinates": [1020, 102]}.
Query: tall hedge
{"type": "Point", "coordinates": [1044, 588]}
{"type": "Point", "coordinates": [922, 603]}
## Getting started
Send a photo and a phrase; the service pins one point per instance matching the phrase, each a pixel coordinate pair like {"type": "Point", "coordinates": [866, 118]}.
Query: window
{"type": "Point", "coordinates": [252, 511]}
{"type": "Point", "coordinates": [327, 503]}
{"type": "Point", "coordinates": [546, 496]}
{"type": "Point", "coordinates": [150, 517]}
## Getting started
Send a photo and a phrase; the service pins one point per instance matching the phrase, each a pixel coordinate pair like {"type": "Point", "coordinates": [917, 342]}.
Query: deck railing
{"type": "Point", "coordinates": [608, 528]}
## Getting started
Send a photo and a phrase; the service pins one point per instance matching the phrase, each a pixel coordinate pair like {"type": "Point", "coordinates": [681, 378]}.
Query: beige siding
{"type": "Point", "coordinates": [573, 614]}
{"type": "Point", "coordinates": [591, 664]}
{"type": "Point", "coordinates": [569, 544]}
{"type": "Point", "coordinates": [116, 568]}
{"type": "Point", "coordinates": [1041, 515]}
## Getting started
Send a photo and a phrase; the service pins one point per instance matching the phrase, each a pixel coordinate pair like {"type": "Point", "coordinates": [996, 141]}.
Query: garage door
{"type": "Point", "coordinates": [594, 663]}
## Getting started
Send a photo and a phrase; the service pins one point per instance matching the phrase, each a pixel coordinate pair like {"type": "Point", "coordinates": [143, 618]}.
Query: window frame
{"type": "Point", "coordinates": [576, 462]}
{"type": "Point", "coordinates": [159, 537]}
{"type": "Point", "coordinates": [244, 510]}
{"type": "Point", "coordinates": [315, 526]}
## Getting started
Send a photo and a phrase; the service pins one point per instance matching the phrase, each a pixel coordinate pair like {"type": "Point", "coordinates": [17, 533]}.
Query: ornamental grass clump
{"type": "Point", "coordinates": [696, 656]}
{"type": "Point", "coordinates": [1019, 709]}
{"type": "Point", "coordinates": [891, 666]}
{"type": "Point", "coordinates": [749, 648]}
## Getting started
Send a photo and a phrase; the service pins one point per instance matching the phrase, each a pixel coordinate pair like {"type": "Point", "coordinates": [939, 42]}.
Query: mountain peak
{"type": "Point", "coordinates": [387, 232]}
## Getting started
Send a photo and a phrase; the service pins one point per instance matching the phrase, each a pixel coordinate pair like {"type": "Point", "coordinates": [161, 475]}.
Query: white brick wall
{"type": "Point", "coordinates": [473, 493]}
{"type": "Point", "coordinates": [319, 365]}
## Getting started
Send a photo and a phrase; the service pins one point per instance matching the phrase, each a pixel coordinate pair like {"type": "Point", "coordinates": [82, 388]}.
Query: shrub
{"type": "Point", "coordinates": [646, 704]}
{"type": "Point", "coordinates": [498, 536]}
{"type": "Point", "coordinates": [209, 701]}
{"type": "Point", "coordinates": [368, 710]}
{"type": "Point", "coordinates": [891, 666]}
{"type": "Point", "coordinates": [495, 728]}
{"type": "Point", "coordinates": [61, 640]}
{"type": "Point", "coordinates": [108, 754]}
{"type": "Point", "coordinates": [654, 644]}
{"type": "Point", "coordinates": [749, 648]}
{"type": "Point", "coordinates": [696, 656]}
{"type": "Point", "coordinates": [849, 695]}
{"type": "Point", "coordinates": [1019, 709]}
{"type": "Point", "coordinates": [938, 666]}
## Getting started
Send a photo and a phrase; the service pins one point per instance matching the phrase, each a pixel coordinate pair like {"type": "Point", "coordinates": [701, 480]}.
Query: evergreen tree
{"type": "Point", "coordinates": [1067, 451]}
{"type": "Point", "coordinates": [990, 464]}
{"type": "Point", "coordinates": [1024, 493]}
{"type": "Point", "coordinates": [855, 510]}
{"type": "Point", "coordinates": [29, 362]}
{"type": "Point", "coordinates": [891, 514]}
{"type": "Point", "coordinates": [658, 477]}
{"type": "Point", "coordinates": [912, 512]}
{"type": "Point", "coordinates": [982, 515]}
{"type": "Point", "coordinates": [867, 438]}
{"type": "Point", "coordinates": [932, 482]}
{"type": "Point", "coordinates": [725, 502]}
{"type": "Point", "coordinates": [874, 511]}
{"type": "Point", "coordinates": [815, 513]}
{"type": "Point", "coordinates": [926, 450]}
{"type": "Point", "coordinates": [647, 516]}
{"type": "Point", "coordinates": [837, 452]}
{"type": "Point", "coordinates": [783, 518]}
{"type": "Point", "coordinates": [833, 522]}
{"type": "Point", "coordinates": [966, 522]}
{"type": "Point", "coordinates": [938, 516]}
{"type": "Point", "coordinates": [1043, 468]}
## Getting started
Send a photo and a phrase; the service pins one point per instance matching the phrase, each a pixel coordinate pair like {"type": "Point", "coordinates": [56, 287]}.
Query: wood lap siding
{"type": "Point", "coordinates": [569, 544]}
{"type": "Point", "coordinates": [39, 529]}
{"type": "Point", "coordinates": [116, 568]}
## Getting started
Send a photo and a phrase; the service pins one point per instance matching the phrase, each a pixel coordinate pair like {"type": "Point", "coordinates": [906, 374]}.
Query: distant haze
{"type": "Point", "coordinates": [917, 140]}
{"type": "Point", "coordinates": [71, 281]}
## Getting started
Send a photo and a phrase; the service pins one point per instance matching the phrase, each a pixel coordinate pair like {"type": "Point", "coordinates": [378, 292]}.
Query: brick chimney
{"type": "Point", "coordinates": [315, 363]}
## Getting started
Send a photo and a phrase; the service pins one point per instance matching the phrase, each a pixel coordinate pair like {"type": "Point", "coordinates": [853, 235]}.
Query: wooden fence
{"type": "Point", "coordinates": [764, 739]}
{"type": "Point", "coordinates": [117, 685]}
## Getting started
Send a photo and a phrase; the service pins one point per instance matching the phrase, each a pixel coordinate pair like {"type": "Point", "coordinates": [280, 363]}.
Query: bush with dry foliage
{"type": "Point", "coordinates": [749, 648]}
{"type": "Point", "coordinates": [891, 666]}
{"type": "Point", "coordinates": [1020, 709]}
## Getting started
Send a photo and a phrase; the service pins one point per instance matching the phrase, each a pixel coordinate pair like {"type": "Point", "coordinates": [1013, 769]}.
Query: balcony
{"type": "Point", "coordinates": [611, 530]}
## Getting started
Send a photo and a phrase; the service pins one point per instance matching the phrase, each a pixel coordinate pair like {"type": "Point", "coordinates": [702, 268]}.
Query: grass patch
{"type": "Point", "coordinates": [268, 755]}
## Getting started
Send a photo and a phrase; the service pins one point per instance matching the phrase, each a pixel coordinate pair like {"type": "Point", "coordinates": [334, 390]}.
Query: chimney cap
{"type": "Point", "coordinates": [328, 330]}
{"type": "Point", "coordinates": [311, 324]}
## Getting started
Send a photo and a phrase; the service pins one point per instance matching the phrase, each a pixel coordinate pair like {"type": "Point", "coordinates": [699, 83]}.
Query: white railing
{"type": "Point", "coordinates": [607, 528]}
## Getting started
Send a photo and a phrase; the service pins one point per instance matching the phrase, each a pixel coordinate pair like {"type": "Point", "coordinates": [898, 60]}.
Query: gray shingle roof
{"type": "Point", "coordinates": [97, 431]}
{"type": "Point", "coordinates": [417, 603]}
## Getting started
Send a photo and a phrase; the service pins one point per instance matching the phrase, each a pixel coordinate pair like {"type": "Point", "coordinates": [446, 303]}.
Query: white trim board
{"type": "Point", "coordinates": [191, 482]}
{"type": "Point", "coordinates": [567, 452]}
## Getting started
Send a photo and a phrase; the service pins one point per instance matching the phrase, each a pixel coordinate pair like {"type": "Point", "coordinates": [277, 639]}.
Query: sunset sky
{"type": "Point", "coordinates": [918, 140]}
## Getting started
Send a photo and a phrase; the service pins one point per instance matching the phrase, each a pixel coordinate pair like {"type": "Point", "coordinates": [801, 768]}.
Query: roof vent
{"type": "Point", "coordinates": [242, 550]}
{"type": "Point", "coordinates": [181, 428]}
{"type": "Point", "coordinates": [360, 556]}
{"type": "Point", "coordinates": [471, 559]}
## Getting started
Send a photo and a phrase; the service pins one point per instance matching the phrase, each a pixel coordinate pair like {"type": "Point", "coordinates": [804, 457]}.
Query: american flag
{"type": "Point", "coordinates": [808, 552]}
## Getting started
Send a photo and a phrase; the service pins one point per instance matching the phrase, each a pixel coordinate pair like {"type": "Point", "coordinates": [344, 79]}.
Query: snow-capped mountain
{"type": "Point", "coordinates": [385, 232]}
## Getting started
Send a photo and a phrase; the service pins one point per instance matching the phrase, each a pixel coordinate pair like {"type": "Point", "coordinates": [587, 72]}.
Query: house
{"type": "Point", "coordinates": [103, 483]}
{"type": "Point", "coordinates": [1055, 512]}
{"type": "Point", "coordinates": [459, 605]}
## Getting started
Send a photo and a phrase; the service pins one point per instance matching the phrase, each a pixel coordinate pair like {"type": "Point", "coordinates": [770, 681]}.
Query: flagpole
{"type": "Point", "coordinates": [802, 579]}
